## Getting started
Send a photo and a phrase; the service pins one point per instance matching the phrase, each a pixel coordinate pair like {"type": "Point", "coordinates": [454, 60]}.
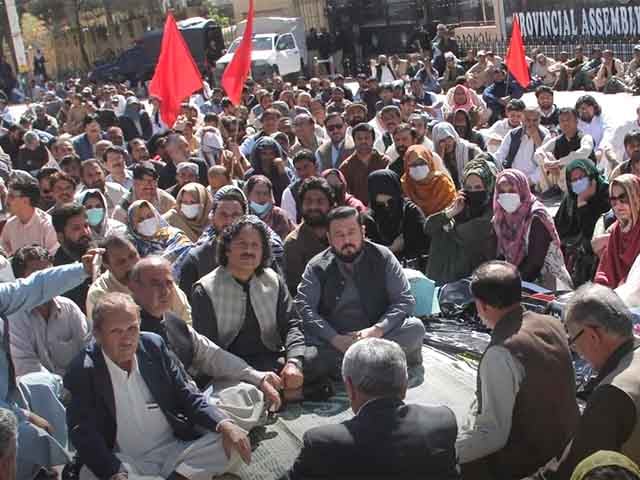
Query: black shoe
{"type": "Point", "coordinates": [319, 392]}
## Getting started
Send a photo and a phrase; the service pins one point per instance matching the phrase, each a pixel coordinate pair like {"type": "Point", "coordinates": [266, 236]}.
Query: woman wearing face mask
{"type": "Point", "coordinates": [428, 188]}
{"type": "Point", "coordinates": [191, 213]}
{"type": "Point", "coordinates": [393, 221]}
{"type": "Point", "coordinates": [587, 198]}
{"type": "Point", "coordinates": [152, 235]}
{"type": "Point", "coordinates": [623, 246]}
{"type": "Point", "coordinates": [259, 192]}
{"type": "Point", "coordinates": [527, 236]}
{"type": "Point", "coordinates": [339, 185]}
{"type": "Point", "coordinates": [462, 235]}
{"type": "Point", "coordinates": [101, 225]}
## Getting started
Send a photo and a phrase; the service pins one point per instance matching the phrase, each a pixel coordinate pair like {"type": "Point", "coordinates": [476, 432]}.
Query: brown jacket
{"type": "Point", "coordinates": [545, 413]}
{"type": "Point", "coordinates": [323, 154]}
{"type": "Point", "coordinates": [357, 173]}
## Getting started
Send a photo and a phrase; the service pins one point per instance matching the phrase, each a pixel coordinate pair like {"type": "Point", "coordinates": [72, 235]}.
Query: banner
{"type": "Point", "coordinates": [589, 20]}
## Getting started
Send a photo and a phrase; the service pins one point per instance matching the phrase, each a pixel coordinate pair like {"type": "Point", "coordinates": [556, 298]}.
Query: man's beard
{"type": "Point", "coordinates": [80, 247]}
{"type": "Point", "coordinates": [348, 258]}
{"type": "Point", "coordinates": [355, 121]}
{"type": "Point", "coordinates": [315, 218]}
{"type": "Point", "coordinates": [586, 118]}
{"type": "Point", "coordinates": [401, 150]}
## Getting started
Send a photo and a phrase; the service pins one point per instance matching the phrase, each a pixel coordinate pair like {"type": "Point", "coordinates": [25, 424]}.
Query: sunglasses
{"type": "Point", "coordinates": [622, 198]}
{"type": "Point", "coordinates": [572, 340]}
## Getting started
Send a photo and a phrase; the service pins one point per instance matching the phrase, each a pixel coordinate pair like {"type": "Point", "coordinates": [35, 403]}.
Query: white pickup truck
{"type": "Point", "coordinates": [278, 47]}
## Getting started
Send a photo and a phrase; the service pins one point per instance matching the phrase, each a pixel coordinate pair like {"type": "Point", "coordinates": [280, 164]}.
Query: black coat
{"type": "Point", "coordinates": [386, 439]}
{"type": "Point", "coordinates": [129, 128]}
{"type": "Point", "coordinates": [91, 414]}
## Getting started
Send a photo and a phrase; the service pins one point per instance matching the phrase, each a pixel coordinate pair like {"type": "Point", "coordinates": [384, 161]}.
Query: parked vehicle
{"type": "Point", "coordinates": [202, 36]}
{"type": "Point", "coordinates": [278, 47]}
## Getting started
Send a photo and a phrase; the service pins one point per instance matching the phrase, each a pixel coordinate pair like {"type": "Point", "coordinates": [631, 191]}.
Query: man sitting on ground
{"type": "Point", "coordinates": [118, 260]}
{"type": "Point", "coordinates": [516, 425]}
{"type": "Point", "coordinates": [152, 288]}
{"type": "Point", "coordinates": [245, 307]}
{"type": "Point", "coordinates": [128, 392]}
{"type": "Point", "coordinates": [355, 289]}
{"type": "Point", "coordinates": [387, 438]}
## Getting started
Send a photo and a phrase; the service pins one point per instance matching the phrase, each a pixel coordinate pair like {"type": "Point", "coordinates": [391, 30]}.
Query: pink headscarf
{"type": "Point", "coordinates": [467, 105]}
{"type": "Point", "coordinates": [512, 228]}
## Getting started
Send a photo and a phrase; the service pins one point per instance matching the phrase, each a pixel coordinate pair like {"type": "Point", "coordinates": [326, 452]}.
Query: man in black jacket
{"type": "Point", "coordinates": [127, 390]}
{"type": "Point", "coordinates": [387, 438]}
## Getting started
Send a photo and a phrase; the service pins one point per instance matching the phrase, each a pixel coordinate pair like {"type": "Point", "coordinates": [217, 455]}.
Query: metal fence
{"type": "Point", "coordinates": [621, 49]}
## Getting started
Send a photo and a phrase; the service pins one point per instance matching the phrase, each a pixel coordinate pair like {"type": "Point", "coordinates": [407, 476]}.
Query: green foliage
{"type": "Point", "coordinates": [217, 16]}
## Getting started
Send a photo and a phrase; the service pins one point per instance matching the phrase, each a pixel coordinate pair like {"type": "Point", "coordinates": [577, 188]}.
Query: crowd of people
{"type": "Point", "coordinates": [185, 278]}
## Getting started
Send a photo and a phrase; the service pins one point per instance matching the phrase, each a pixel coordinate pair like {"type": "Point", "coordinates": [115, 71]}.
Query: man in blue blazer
{"type": "Point", "coordinates": [133, 412]}
{"type": "Point", "coordinates": [85, 143]}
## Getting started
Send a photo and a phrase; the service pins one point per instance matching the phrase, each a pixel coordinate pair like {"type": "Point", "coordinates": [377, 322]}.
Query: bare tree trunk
{"type": "Point", "coordinates": [114, 40]}
{"type": "Point", "coordinates": [73, 13]}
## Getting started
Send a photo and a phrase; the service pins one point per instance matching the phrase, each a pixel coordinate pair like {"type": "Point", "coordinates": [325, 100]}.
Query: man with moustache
{"type": "Point", "coordinates": [333, 152]}
{"type": "Point", "coordinates": [355, 289]}
{"type": "Point", "coordinates": [74, 235]}
{"type": "Point", "coordinates": [310, 237]}
{"type": "Point", "coordinates": [403, 137]}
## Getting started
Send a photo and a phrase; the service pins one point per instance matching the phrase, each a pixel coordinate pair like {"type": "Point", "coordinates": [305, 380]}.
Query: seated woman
{"type": "Point", "coordinates": [101, 225]}
{"type": "Point", "coordinates": [151, 234]}
{"type": "Point", "coordinates": [339, 185]}
{"type": "Point", "coordinates": [462, 235]}
{"type": "Point", "coordinates": [430, 189]}
{"type": "Point", "coordinates": [624, 242]}
{"type": "Point", "coordinates": [393, 221]}
{"type": "Point", "coordinates": [463, 98]}
{"type": "Point", "coordinates": [587, 198]}
{"type": "Point", "coordinates": [191, 213]}
{"type": "Point", "coordinates": [527, 236]}
{"type": "Point", "coordinates": [259, 192]}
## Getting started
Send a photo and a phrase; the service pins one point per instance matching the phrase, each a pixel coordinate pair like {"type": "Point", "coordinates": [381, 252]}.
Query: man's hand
{"type": "Point", "coordinates": [292, 376]}
{"type": "Point", "coordinates": [235, 438]}
{"type": "Point", "coordinates": [87, 259]}
{"type": "Point", "coordinates": [343, 342]}
{"type": "Point", "coordinates": [599, 243]}
{"type": "Point", "coordinates": [270, 386]}
{"type": "Point", "coordinates": [457, 206]}
{"type": "Point", "coordinates": [279, 164]}
{"type": "Point", "coordinates": [371, 332]}
{"type": "Point", "coordinates": [38, 421]}
{"type": "Point", "coordinates": [552, 165]}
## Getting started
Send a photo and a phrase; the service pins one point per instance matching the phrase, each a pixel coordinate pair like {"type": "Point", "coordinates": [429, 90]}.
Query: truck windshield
{"type": "Point", "coordinates": [257, 43]}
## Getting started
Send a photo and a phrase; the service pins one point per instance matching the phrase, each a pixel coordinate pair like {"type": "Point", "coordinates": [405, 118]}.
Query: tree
{"type": "Point", "coordinates": [217, 16]}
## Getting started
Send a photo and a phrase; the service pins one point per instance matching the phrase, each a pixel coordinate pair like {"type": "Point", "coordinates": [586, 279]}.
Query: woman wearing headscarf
{"type": "Point", "coordinates": [191, 213]}
{"type": "Point", "coordinates": [268, 159]}
{"type": "Point", "coordinates": [339, 185]}
{"type": "Point", "coordinates": [463, 98]}
{"type": "Point", "coordinates": [462, 235]}
{"type": "Point", "coordinates": [152, 235]}
{"type": "Point", "coordinates": [587, 198]}
{"type": "Point", "coordinates": [526, 234]}
{"type": "Point", "coordinates": [454, 151]}
{"type": "Point", "coordinates": [606, 464]}
{"type": "Point", "coordinates": [259, 192]}
{"type": "Point", "coordinates": [135, 121]}
{"type": "Point", "coordinates": [624, 242]}
{"type": "Point", "coordinates": [430, 189]}
{"type": "Point", "coordinates": [101, 225]}
{"type": "Point", "coordinates": [393, 221]}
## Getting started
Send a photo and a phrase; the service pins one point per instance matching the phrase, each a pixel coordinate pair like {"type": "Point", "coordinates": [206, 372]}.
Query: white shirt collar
{"type": "Point", "coordinates": [117, 373]}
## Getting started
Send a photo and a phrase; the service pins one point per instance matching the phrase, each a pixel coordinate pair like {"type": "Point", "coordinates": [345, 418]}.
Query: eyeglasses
{"type": "Point", "coordinates": [622, 198]}
{"type": "Point", "coordinates": [572, 340]}
{"type": "Point", "coordinates": [333, 127]}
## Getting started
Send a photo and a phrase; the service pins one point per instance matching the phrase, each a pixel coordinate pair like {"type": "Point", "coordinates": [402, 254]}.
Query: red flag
{"type": "Point", "coordinates": [515, 59]}
{"type": "Point", "coordinates": [176, 76]}
{"type": "Point", "coordinates": [238, 68]}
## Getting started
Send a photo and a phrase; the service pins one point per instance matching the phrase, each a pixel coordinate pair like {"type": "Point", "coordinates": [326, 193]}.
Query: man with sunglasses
{"type": "Point", "coordinates": [333, 152]}
{"type": "Point", "coordinates": [600, 329]}
{"type": "Point", "coordinates": [525, 410]}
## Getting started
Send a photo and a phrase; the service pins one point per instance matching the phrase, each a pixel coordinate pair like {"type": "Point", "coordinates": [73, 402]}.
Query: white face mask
{"type": "Point", "coordinates": [509, 201]}
{"type": "Point", "coordinates": [419, 173]}
{"type": "Point", "coordinates": [148, 227]}
{"type": "Point", "coordinates": [191, 211]}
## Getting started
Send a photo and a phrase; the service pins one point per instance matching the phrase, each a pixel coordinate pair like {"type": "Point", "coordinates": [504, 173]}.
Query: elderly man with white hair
{"type": "Point", "coordinates": [387, 438]}
{"type": "Point", "coordinates": [600, 329]}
